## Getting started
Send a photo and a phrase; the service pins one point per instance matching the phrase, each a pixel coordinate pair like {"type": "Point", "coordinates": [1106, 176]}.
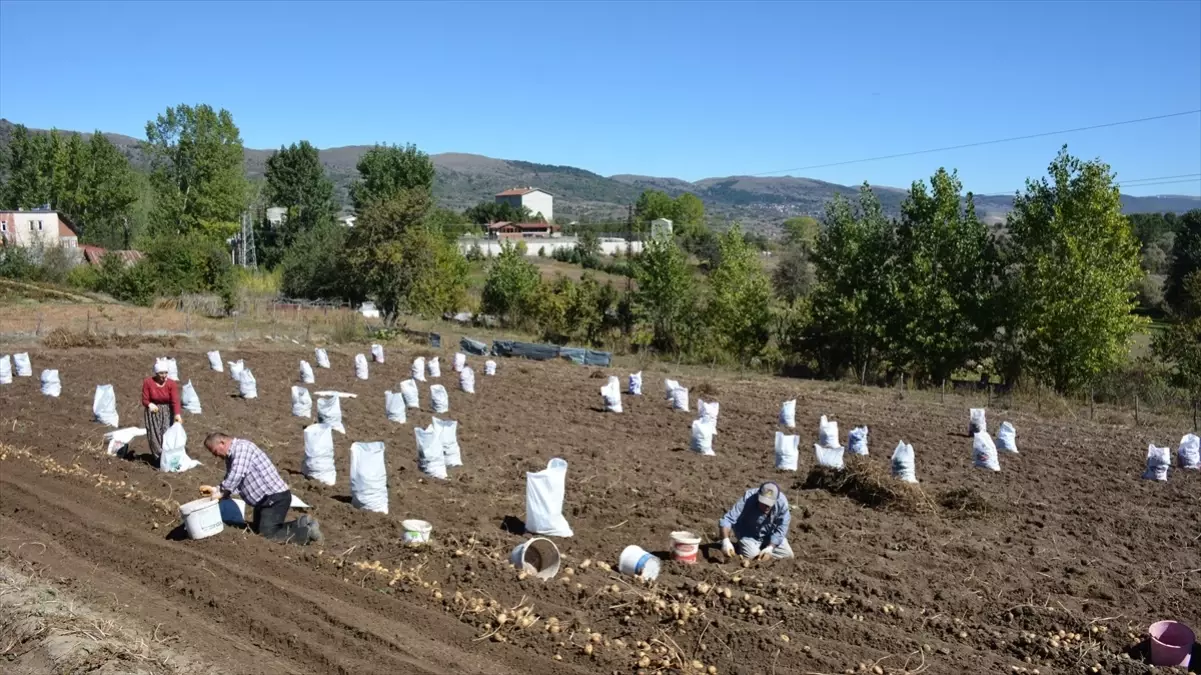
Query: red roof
{"type": "Point", "coordinates": [94, 254]}
{"type": "Point", "coordinates": [517, 192]}
{"type": "Point", "coordinates": [522, 226]}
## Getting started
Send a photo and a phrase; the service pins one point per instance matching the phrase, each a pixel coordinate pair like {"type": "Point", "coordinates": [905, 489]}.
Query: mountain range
{"type": "Point", "coordinates": [759, 202]}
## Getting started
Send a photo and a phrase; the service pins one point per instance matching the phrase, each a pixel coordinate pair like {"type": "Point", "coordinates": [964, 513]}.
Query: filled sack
{"type": "Point", "coordinates": [104, 406]}
{"type": "Point", "coordinates": [984, 452]}
{"type": "Point", "coordinates": [319, 454]}
{"type": "Point", "coordinates": [611, 395]}
{"type": "Point", "coordinates": [22, 366]}
{"type": "Point", "coordinates": [467, 380]}
{"type": "Point", "coordinates": [679, 399]}
{"type": "Point", "coordinates": [827, 433]}
{"type": "Point", "coordinates": [439, 401]}
{"type": "Point", "coordinates": [51, 385]}
{"type": "Point", "coordinates": [489, 367]}
{"type": "Point", "coordinates": [248, 387]}
{"type": "Point", "coordinates": [175, 456]}
{"type": "Point", "coordinates": [830, 458]}
{"type": "Point", "coordinates": [172, 369]}
{"type": "Point", "coordinates": [431, 456]}
{"type": "Point", "coordinates": [329, 411]}
{"type": "Point", "coordinates": [322, 357]}
{"type": "Point", "coordinates": [903, 467]}
{"type": "Point", "coordinates": [215, 361]}
{"type": "Point", "coordinates": [302, 402]}
{"type": "Point", "coordinates": [1158, 461]}
{"type": "Point", "coordinates": [788, 451]}
{"type": "Point", "coordinates": [417, 372]}
{"type": "Point", "coordinates": [788, 414]}
{"type": "Point", "coordinates": [408, 390]}
{"type": "Point", "coordinates": [1007, 440]}
{"type": "Point", "coordinates": [368, 477]}
{"type": "Point", "coordinates": [708, 410]}
{"type": "Point", "coordinates": [703, 432]}
{"type": "Point", "coordinates": [235, 369]}
{"type": "Point", "coordinates": [188, 399]}
{"type": "Point", "coordinates": [460, 361]}
{"type": "Point", "coordinates": [377, 353]}
{"type": "Point", "coordinates": [117, 442]}
{"type": "Point", "coordinates": [434, 366]}
{"type": "Point", "coordinates": [448, 435]}
{"type": "Point", "coordinates": [6, 369]}
{"type": "Point", "coordinates": [976, 421]}
{"type": "Point", "coordinates": [306, 373]}
{"type": "Point", "coordinates": [360, 366]}
{"type": "Point", "coordinates": [394, 407]}
{"type": "Point", "coordinates": [1188, 455]}
{"type": "Point", "coordinates": [545, 492]}
{"type": "Point", "coordinates": [635, 384]}
{"type": "Point", "coordinates": [669, 386]}
{"type": "Point", "coordinates": [857, 441]}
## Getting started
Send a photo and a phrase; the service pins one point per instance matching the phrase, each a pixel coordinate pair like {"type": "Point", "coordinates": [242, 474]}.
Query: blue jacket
{"type": "Point", "coordinates": [748, 521]}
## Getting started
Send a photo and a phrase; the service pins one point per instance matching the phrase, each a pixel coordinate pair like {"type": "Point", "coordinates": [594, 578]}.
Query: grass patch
{"type": "Point", "coordinates": [870, 484]}
{"type": "Point", "coordinates": [61, 338]}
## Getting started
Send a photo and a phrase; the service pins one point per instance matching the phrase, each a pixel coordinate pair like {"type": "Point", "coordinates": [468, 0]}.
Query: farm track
{"type": "Point", "coordinates": [1074, 541]}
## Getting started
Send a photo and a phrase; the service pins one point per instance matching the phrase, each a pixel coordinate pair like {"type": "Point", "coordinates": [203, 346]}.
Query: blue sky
{"type": "Point", "coordinates": [689, 90]}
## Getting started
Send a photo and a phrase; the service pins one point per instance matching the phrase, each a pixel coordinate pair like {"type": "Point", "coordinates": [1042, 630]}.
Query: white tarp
{"type": "Point", "coordinates": [439, 401]}
{"type": "Point", "coordinates": [703, 432]}
{"type": "Point", "coordinates": [51, 385]}
{"type": "Point", "coordinates": [368, 477]}
{"type": "Point", "coordinates": [857, 441]}
{"type": "Point", "coordinates": [408, 389]}
{"type": "Point", "coordinates": [977, 421]}
{"type": "Point", "coordinates": [1158, 461]}
{"type": "Point", "coordinates": [22, 366]}
{"type": "Point", "coordinates": [394, 407]}
{"type": "Point", "coordinates": [1007, 438]}
{"type": "Point", "coordinates": [306, 373]}
{"type": "Point", "coordinates": [377, 353]}
{"type": "Point", "coordinates": [215, 361]}
{"type": "Point", "coordinates": [1188, 455]}
{"type": "Point", "coordinates": [104, 406]}
{"type": "Point", "coordinates": [545, 492]}
{"type": "Point", "coordinates": [448, 435]}
{"type": "Point", "coordinates": [175, 455]}
{"type": "Point", "coordinates": [434, 366]}
{"type": "Point", "coordinates": [302, 402]}
{"type": "Point", "coordinates": [788, 414]}
{"type": "Point", "coordinates": [322, 357]}
{"type": "Point", "coordinates": [417, 372]}
{"type": "Point", "coordinates": [235, 369]}
{"type": "Point", "coordinates": [489, 367]}
{"type": "Point", "coordinates": [118, 440]}
{"type": "Point", "coordinates": [467, 380]}
{"type": "Point", "coordinates": [679, 399]}
{"type": "Point", "coordinates": [903, 464]}
{"type": "Point", "coordinates": [431, 456]}
{"type": "Point", "coordinates": [248, 387]}
{"type": "Point", "coordinates": [6, 369]}
{"type": "Point", "coordinates": [329, 411]}
{"type": "Point", "coordinates": [788, 451]}
{"type": "Point", "coordinates": [319, 454]}
{"type": "Point", "coordinates": [188, 399]}
{"type": "Point", "coordinates": [635, 384]}
{"type": "Point", "coordinates": [360, 366]}
{"type": "Point", "coordinates": [611, 394]}
{"type": "Point", "coordinates": [984, 452]}
{"type": "Point", "coordinates": [460, 361]}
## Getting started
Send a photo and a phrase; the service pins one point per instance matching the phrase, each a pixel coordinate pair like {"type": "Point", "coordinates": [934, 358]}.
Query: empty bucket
{"type": "Point", "coordinates": [1171, 643]}
{"type": "Point", "coordinates": [638, 562]}
{"type": "Point", "coordinates": [684, 546]}
{"type": "Point", "coordinates": [416, 531]}
{"type": "Point", "coordinates": [538, 556]}
{"type": "Point", "coordinates": [202, 517]}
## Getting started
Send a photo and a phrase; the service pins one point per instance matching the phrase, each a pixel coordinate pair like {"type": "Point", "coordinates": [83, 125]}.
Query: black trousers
{"type": "Point", "coordinates": [268, 520]}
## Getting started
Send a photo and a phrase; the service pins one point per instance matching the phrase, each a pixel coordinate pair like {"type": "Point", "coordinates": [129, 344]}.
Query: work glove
{"type": "Point", "coordinates": [765, 552]}
{"type": "Point", "coordinates": [727, 547]}
{"type": "Point", "coordinates": [209, 491]}
{"type": "Point", "coordinates": [153, 407]}
{"type": "Point", "coordinates": [179, 419]}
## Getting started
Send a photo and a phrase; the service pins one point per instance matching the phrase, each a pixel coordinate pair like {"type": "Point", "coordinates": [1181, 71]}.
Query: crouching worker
{"type": "Point", "coordinates": [250, 473]}
{"type": "Point", "coordinates": [759, 522]}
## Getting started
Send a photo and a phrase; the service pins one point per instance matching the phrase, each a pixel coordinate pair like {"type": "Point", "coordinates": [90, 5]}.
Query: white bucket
{"type": "Point", "coordinates": [538, 556]}
{"type": "Point", "coordinates": [684, 547]}
{"type": "Point", "coordinates": [638, 562]}
{"type": "Point", "coordinates": [202, 517]}
{"type": "Point", "coordinates": [416, 531]}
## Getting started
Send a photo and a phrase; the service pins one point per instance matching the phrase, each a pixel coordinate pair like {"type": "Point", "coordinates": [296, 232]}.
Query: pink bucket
{"type": "Point", "coordinates": [1171, 643]}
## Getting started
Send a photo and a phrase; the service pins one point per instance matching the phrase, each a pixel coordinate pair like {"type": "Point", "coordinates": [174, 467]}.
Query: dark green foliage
{"type": "Point", "coordinates": [386, 171]}
{"type": "Point", "coordinates": [295, 180]}
{"type": "Point", "coordinates": [1186, 262]}
{"type": "Point", "coordinates": [500, 212]}
{"type": "Point", "coordinates": [311, 267]}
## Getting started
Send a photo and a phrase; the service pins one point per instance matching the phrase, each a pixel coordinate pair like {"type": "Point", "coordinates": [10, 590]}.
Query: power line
{"type": "Point", "coordinates": [982, 143]}
{"type": "Point", "coordinates": [1142, 180]}
{"type": "Point", "coordinates": [1196, 181]}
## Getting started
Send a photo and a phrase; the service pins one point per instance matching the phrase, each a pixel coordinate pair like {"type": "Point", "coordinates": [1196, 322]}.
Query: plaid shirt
{"type": "Point", "coordinates": [250, 473]}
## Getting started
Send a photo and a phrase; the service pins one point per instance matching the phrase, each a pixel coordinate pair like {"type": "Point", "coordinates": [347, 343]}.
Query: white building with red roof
{"type": "Point", "coordinates": [539, 202]}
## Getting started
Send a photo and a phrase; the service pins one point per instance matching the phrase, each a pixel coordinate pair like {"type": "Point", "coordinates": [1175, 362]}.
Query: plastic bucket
{"type": "Point", "coordinates": [416, 531]}
{"type": "Point", "coordinates": [538, 556]}
{"type": "Point", "coordinates": [1171, 643]}
{"type": "Point", "coordinates": [638, 562]}
{"type": "Point", "coordinates": [202, 517]}
{"type": "Point", "coordinates": [233, 511]}
{"type": "Point", "coordinates": [684, 546]}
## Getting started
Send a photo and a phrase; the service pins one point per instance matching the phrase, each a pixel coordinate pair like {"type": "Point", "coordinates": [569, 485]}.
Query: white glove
{"type": "Point", "coordinates": [765, 552]}
{"type": "Point", "coordinates": [153, 407]}
{"type": "Point", "coordinates": [727, 546]}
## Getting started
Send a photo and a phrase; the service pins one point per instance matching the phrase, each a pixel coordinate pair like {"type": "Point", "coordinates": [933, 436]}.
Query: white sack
{"type": "Point", "coordinates": [448, 435]}
{"type": "Point", "coordinates": [670, 386]}
{"type": "Point", "coordinates": [160, 366]}
{"type": "Point", "coordinates": [1007, 438]}
{"type": "Point", "coordinates": [857, 441]}
{"type": "Point", "coordinates": [215, 361]}
{"type": "Point", "coordinates": [6, 369]}
{"type": "Point", "coordinates": [703, 432]}
{"type": "Point", "coordinates": [829, 457]}
{"type": "Point", "coordinates": [489, 367]}
{"type": "Point", "coordinates": [119, 440]}
{"type": "Point", "coordinates": [788, 414]}
{"type": "Point", "coordinates": [306, 373]}
{"type": "Point", "coordinates": [248, 387]}
{"type": "Point", "coordinates": [903, 465]}
{"type": "Point", "coordinates": [172, 369]}
{"type": "Point", "coordinates": [368, 477]}
{"type": "Point", "coordinates": [104, 406]}
{"type": "Point", "coordinates": [417, 372]}
{"type": "Point", "coordinates": [175, 455]}
{"type": "Point", "coordinates": [431, 456]}
{"type": "Point", "coordinates": [611, 394]}
{"type": "Point", "coordinates": [235, 369]}
{"type": "Point", "coordinates": [460, 361]}
{"type": "Point", "coordinates": [319, 454]}
{"type": "Point", "coordinates": [377, 353]}
{"type": "Point", "coordinates": [788, 451]}
{"type": "Point", "coordinates": [467, 380]}
{"type": "Point", "coordinates": [360, 366]}
{"type": "Point", "coordinates": [708, 410]}
{"type": "Point", "coordinates": [188, 399]}
{"type": "Point", "coordinates": [1158, 461]}
{"type": "Point", "coordinates": [408, 389]}
{"type": "Point", "coordinates": [329, 411]}
{"type": "Point", "coordinates": [984, 452]}
{"type": "Point", "coordinates": [302, 402]}
{"type": "Point", "coordinates": [434, 366]}
{"type": "Point", "coordinates": [635, 384]}
{"type": "Point", "coordinates": [394, 407]}
{"type": "Point", "coordinates": [51, 385]}
{"type": "Point", "coordinates": [976, 421]}
{"type": "Point", "coordinates": [544, 494]}
{"type": "Point", "coordinates": [322, 357]}
{"type": "Point", "coordinates": [679, 399]}
{"type": "Point", "coordinates": [827, 433]}
{"type": "Point", "coordinates": [439, 401]}
{"type": "Point", "coordinates": [22, 365]}
{"type": "Point", "coordinates": [1188, 455]}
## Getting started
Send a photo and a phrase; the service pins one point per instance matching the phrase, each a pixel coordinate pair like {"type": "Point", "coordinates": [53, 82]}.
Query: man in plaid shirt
{"type": "Point", "coordinates": [250, 473]}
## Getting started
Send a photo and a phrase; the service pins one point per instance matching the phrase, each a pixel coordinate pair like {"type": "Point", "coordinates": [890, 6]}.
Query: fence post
{"type": "Point", "coordinates": [235, 327]}
{"type": "Point", "coordinates": [1136, 410]}
{"type": "Point", "coordinates": [188, 321]}
{"type": "Point", "coordinates": [1091, 404]}
{"type": "Point", "coordinates": [88, 329]}
{"type": "Point", "coordinates": [942, 396]}
{"type": "Point", "coordinates": [38, 331]}
{"type": "Point", "coordinates": [989, 395]}
{"type": "Point", "coordinates": [308, 331]}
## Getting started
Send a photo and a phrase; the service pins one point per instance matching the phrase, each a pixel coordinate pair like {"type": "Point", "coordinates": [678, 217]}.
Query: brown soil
{"type": "Point", "coordinates": [1065, 538]}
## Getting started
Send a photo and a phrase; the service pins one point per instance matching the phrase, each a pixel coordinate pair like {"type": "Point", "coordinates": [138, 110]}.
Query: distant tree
{"type": "Point", "coordinates": [511, 288]}
{"type": "Point", "coordinates": [25, 183]}
{"type": "Point", "coordinates": [499, 212]}
{"type": "Point", "coordinates": [295, 180]}
{"type": "Point", "coordinates": [588, 249]}
{"type": "Point", "coordinates": [1186, 261]}
{"type": "Point", "coordinates": [740, 309]}
{"type": "Point", "coordinates": [665, 298]}
{"type": "Point", "coordinates": [312, 267]}
{"type": "Point", "coordinates": [108, 190]}
{"type": "Point", "coordinates": [387, 170]}
{"type": "Point", "coordinates": [653, 204]}
{"type": "Point", "coordinates": [689, 214]}
{"type": "Point", "coordinates": [1180, 344]}
{"type": "Point", "coordinates": [794, 275]}
{"type": "Point", "coordinates": [196, 159]}
{"type": "Point", "coordinates": [801, 232]}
